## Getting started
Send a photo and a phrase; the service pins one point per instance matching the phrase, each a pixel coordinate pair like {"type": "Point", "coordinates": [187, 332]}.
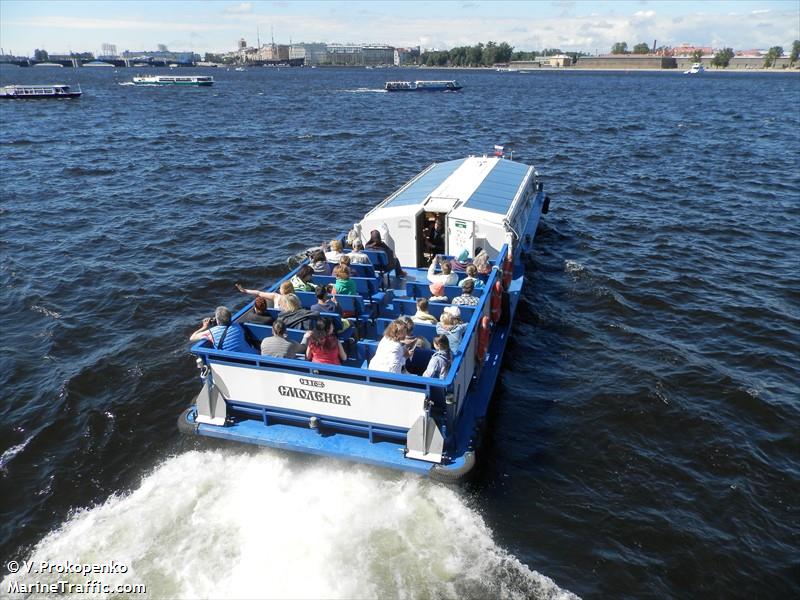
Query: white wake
{"type": "Point", "coordinates": [233, 524]}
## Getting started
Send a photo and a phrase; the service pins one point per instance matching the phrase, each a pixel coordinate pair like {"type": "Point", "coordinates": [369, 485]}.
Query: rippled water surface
{"type": "Point", "coordinates": [644, 431]}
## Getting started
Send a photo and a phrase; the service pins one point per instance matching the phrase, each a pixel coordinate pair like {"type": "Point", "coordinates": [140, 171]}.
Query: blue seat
{"type": "Point", "coordinates": [365, 350]}
{"type": "Point", "coordinates": [380, 262]}
{"type": "Point", "coordinates": [416, 289]}
{"type": "Point", "coordinates": [261, 331]}
{"type": "Point", "coordinates": [419, 360]}
{"type": "Point", "coordinates": [420, 329]}
{"type": "Point", "coordinates": [408, 307]}
{"type": "Point", "coordinates": [358, 270]}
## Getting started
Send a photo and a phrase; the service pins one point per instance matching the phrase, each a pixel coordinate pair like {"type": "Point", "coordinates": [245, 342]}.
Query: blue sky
{"type": "Point", "coordinates": [215, 26]}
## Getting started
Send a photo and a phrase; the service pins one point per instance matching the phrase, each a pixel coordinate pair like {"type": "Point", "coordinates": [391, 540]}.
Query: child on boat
{"type": "Point", "coordinates": [343, 283]}
{"type": "Point", "coordinates": [440, 362]}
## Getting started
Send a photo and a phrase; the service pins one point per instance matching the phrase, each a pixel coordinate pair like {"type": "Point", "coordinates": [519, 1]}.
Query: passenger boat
{"type": "Point", "coordinates": [695, 69]}
{"type": "Point", "coordinates": [25, 92]}
{"type": "Point", "coordinates": [423, 86]}
{"type": "Point", "coordinates": [424, 425]}
{"type": "Point", "coordinates": [174, 80]}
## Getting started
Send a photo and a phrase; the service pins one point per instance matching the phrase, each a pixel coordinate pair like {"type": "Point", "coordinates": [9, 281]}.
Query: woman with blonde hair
{"type": "Point", "coordinates": [335, 251]}
{"type": "Point", "coordinates": [277, 298]}
{"type": "Point", "coordinates": [452, 327]}
{"type": "Point", "coordinates": [481, 262]}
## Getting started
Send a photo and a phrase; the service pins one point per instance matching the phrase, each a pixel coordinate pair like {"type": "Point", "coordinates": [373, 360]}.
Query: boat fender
{"type": "Point", "coordinates": [508, 271]}
{"type": "Point", "coordinates": [443, 474]}
{"type": "Point", "coordinates": [184, 426]}
{"type": "Point", "coordinates": [497, 301]}
{"type": "Point", "coordinates": [546, 205]}
{"type": "Point", "coordinates": [484, 333]}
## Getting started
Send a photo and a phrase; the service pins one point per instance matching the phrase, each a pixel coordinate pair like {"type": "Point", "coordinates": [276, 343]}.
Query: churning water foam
{"type": "Point", "coordinates": [222, 524]}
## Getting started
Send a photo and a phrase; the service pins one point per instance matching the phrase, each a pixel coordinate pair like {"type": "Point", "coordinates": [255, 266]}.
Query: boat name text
{"type": "Point", "coordinates": [292, 392]}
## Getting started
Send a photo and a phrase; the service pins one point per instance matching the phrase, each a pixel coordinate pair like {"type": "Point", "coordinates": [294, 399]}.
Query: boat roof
{"type": "Point", "coordinates": [477, 183]}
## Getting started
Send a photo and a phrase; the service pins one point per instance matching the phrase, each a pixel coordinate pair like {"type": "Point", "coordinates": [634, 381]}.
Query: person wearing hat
{"type": "Point", "coordinates": [437, 293]}
{"type": "Point", "coordinates": [460, 263]}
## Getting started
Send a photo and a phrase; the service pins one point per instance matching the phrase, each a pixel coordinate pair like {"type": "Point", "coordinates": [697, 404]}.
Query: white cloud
{"type": "Point", "coordinates": [114, 24]}
{"type": "Point", "coordinates": [243, 8]}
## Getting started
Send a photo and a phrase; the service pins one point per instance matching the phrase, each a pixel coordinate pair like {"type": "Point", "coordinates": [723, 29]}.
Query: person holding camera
{"type": "Point", "coordinates": [219, 330]}
{"type": "Point", "coordinates": [446, 277]}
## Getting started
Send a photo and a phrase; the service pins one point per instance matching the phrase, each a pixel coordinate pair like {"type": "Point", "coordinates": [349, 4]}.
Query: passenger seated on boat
{"type": "Point", "coordinates": [223, 335]}
{"type": "Point", "coordinates": [323, 345]}
{"type": "Point", "coordinates": [481, 262]}
{"type": "Point", "coordinates": [276, 297]}
{"type": "Point", "coordinates": [376, 243]}
{"type": "Point", "coordinates": [446, 277]}
{"type": "Point", "coordinates": [301, 282]}
{"type": "Point", "coordinates": [452, 327]}
{"type": "Point", "coordinates": [357, 256]}
{"type": "Point", "coordinates": [294, 316]}
{"type": "Point", "coordinates": [335, 251]}
{"type": "Point", "coordinates": [467, 298]}
{"type": "Point", "coordinates": [344, 261]}
{"type": "Point", "coordinates": [472, 275]}
{"type": "Point", "coordinates": [412, 341]}
{"type": "Point", "coordinates": [437, 293]}
{"type": "Point", "coordinates": [318, 261]}
{"type": "Point", "coordinates": [258, 313]}
{"type": "Point", "coordinates": [459, 263]}
{"type": "Point", "coordinates": [326, 302]}
{"type": "Point", "coordinates": [422, 315]}
{"type": "Point", "coordinates": [279, 345]}
{"type": "Point", "coordinates": [392, 352]}
{"type": "Point", "coordinates": [440, 362]}
{"type": "Point", "coordinates": [343, 283]}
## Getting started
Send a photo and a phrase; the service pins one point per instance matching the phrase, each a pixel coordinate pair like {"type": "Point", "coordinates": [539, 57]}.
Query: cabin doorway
{"type": "Point", "coordinates": [431, 239]}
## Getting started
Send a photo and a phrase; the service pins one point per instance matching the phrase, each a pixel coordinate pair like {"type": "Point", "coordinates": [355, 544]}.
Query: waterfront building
{"type": "Point", "coordinates": [273, 52]}
{"type": "Point", "coordinates": [356, 55]}
{"type": "Point", "coordinates": [561, 60]}
{"type": "Point", "coordinates": [627, 61]}
{"type": "Point", "coordinates": [312, 54]}
{"type": "Point", "coordinates": [406, 56]}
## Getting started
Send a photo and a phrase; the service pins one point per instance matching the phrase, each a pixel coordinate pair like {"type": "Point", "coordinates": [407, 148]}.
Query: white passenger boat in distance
{"type": "Point", "coordinates": [695, 69]}
{"type": "Point", "coordinates": [423, 86]}
{"type": "Point", "coordinates": [38, 92]}
{"type": "Point", "coordinates": [426, 425]}
{"type": "Point", "coordinates": [201, 80]}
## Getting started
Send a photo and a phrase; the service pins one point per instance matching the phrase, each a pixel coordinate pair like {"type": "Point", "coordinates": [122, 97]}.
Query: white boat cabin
{"type": "Point", "coordinates": [483, 202]}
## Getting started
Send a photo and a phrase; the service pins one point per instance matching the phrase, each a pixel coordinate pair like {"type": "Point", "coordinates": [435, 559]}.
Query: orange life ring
{"type": "Point", "coordinates": [497, 301]}
{"type": "Point", "coordinates": [508, 271]}
{"type": "Point", "coordinates": [484, 332]}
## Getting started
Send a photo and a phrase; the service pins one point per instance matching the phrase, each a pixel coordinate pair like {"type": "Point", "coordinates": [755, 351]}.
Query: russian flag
{"type": "Point", "coordinates": [498, 150]}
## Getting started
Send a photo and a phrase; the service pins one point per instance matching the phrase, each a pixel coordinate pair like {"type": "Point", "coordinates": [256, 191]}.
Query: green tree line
{"type": "Point", "coordinates": [481, 55]}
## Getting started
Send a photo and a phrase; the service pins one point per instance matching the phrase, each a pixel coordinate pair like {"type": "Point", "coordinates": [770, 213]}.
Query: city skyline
{"type": "Point", "coordinates": [217, 26]}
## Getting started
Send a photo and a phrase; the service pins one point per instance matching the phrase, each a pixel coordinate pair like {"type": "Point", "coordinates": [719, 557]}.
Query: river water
{"type": "Point", "coordinates": [643, 439]}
